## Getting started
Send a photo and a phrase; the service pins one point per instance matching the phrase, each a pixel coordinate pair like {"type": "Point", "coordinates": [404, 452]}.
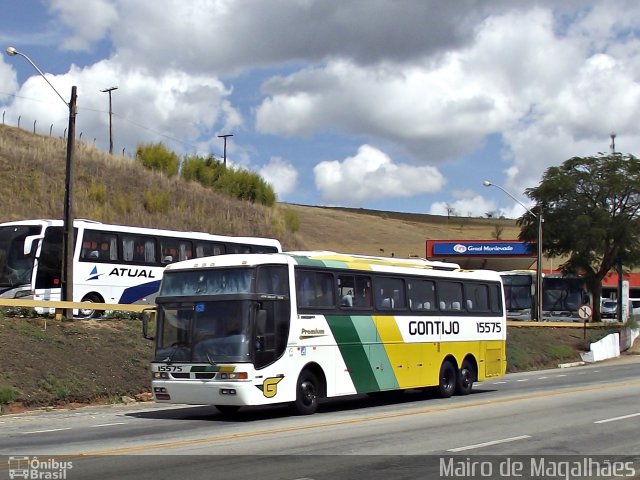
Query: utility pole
{"type": "Point", "coordinates": [109, 90]}
{"type": "Point", "coordinates": [225, 147]}
{"type": "Point", "coordinates": [66, 270]}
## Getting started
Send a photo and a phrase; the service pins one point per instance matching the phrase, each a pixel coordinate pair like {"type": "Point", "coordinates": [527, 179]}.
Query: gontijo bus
{"type": "Point", "coordinates": [111, 263]}
{"type": "Point", "coordinates": [294, 327]}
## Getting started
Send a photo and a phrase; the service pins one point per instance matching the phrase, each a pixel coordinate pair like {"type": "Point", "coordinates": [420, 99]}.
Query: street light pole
{"type": "Point", "coordinates": [66, 275]}
{"type": "Point", "coordinates": [538, 312]}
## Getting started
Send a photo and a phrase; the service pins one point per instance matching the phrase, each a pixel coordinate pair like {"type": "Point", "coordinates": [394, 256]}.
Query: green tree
{"type": "Point", "coordinates": [590, 207]}
{"type": "Point", "coordinates": [157, 157]}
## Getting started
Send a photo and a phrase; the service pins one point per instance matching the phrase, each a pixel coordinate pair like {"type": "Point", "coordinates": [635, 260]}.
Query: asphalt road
{"type": "Point", "coordinates": [580, 414]}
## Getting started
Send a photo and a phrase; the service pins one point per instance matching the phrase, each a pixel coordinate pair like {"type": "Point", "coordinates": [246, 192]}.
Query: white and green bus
{"type": "Point", "coordinates": [111, 263]}
{"type": "Point", "coordinates": [296, 327]}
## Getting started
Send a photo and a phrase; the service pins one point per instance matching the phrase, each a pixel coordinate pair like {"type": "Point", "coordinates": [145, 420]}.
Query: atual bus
{"type": "Point", "coordinates": [111, 263]}
{"type": "Point", "coordinates": [295, 327]}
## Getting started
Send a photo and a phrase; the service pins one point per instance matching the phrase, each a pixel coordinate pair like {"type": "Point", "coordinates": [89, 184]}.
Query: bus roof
{"type": "Point", "coordinates": [334, 260]}
{"type": "Point", "coordinates": [94, 225]}
{"type": "Point", "coordinates": [351, 259]}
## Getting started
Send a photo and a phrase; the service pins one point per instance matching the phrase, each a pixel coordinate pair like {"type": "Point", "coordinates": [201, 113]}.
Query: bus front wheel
{"type": "Point", "coordinates": [307, 389]}
{"type": "Point", "coordinates": [448, 377]}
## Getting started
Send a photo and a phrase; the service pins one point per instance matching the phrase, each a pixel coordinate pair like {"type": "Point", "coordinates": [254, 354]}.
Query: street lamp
{"type": "Point", "coordinates": [66, 277]}
{"type": "Point", "coordinates": [538, 312]}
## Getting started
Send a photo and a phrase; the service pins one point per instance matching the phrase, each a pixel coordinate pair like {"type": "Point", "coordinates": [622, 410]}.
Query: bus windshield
{"type": "Point", "coordinates": [517, 291]}
{"type": "Point", "coordinates": [206, 282]}
{"type": "Point", "coordinates": [210, 315]}
{"type": "Point", "coordinates": [207, 331]}
{"type": "Point", "coordinates": [16, 267]}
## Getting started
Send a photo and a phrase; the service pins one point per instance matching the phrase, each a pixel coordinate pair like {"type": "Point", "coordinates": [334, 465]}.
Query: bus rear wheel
{"type": "Point", "coordinates": [447, 379]}
{"type": "Point", "coordinates": [465, 379]}
{"type": "Point", "coordinates": [307, 389]}
{"type": "Point", "coordinates": [87, 313]}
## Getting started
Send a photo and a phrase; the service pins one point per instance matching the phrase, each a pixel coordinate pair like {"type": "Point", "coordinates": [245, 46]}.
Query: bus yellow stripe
{"type": "Point", "coordinates": [405, 358]}
{"type": "Point", "coordinates": [387, 328]}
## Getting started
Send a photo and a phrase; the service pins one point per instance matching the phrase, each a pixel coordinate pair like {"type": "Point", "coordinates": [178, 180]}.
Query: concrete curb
{"type": "Point", "coordinates": [571, 364]}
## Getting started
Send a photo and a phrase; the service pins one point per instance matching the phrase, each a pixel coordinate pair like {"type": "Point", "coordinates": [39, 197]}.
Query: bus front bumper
{"type": "Point", "coordinates": [194, 392]}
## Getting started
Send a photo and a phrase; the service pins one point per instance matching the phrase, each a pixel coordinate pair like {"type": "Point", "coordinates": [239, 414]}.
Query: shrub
{"type": "Point", "coordinates": [157, 157]}
{"type": "Point", "coordinates": [156, 201]}
{"type": "Point", "coordinates": [8, 395]}
{"type": "Point", "coordinates": [291, 220]}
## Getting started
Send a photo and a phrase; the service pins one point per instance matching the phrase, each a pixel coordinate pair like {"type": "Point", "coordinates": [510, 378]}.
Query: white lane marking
{"type": "Point", "coordinates": [523, 380]}
{"type": "Point", "coordinates": [46, 431]}
{"type": "Point", "coordinates": [624, 417]}
{"type": "Point", "coordinates": [562, 375]}
{"type": "Point", "coordinates": [108, 424]}
{"type": "Point", "coordinates": [487, 444]}
{"type": "Point", "coordinates": [542, 378]}
{"type": "Point", "coordinates": [498, 383]}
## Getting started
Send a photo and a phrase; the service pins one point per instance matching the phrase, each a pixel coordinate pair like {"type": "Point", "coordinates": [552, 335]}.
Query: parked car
{"type": "Point", "coordinates": [609, 309]}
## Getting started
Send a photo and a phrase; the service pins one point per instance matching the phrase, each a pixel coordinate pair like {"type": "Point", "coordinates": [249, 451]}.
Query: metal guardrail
{"type": "Point", "coordinates": [519, 323]}
{"type": "Point", "coordinates": [61, 306]}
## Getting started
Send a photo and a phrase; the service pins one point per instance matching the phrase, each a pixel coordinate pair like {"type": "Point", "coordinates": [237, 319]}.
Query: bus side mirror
{"type": "Point", "coordinates": [30, 243]}
{"type": "Point", "coordinates": [146, 316]}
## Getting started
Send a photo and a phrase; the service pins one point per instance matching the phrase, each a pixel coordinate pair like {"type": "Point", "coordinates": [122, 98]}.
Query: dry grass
{"type": "Point", "coordinates": [370, 232]}
{"type": "Point", "coordinates": [112, 189]}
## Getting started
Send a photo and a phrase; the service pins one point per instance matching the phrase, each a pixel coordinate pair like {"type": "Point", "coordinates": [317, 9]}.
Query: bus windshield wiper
{"type": "Point", "coordinates": [176, 346]}
{"type": "Point", "coordinates": [211, 361]}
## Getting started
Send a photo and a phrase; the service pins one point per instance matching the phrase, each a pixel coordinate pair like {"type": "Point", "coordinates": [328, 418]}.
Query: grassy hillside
{"type": "Point", "coordinates": [115, 189]}
{"type": "Point", "coordinates": [371, 232]}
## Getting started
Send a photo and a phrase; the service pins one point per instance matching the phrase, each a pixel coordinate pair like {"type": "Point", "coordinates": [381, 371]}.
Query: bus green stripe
{"type": "Point", "coordinates": [311, 262]}
{"type": "Point", "coordinates": [354, 353]}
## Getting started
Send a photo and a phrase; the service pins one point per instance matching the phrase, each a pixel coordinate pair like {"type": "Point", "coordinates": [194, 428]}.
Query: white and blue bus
{"type": "Point", "coordinates": [295, 327]}
{"type": "Point", "coordinates": [111, 263]}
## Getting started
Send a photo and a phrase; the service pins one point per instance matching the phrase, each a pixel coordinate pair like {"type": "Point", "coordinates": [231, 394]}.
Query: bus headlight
{"type": "Point", "coordinates": [233, 376]}
{"type": "Point", "coordinates": [160, 375]}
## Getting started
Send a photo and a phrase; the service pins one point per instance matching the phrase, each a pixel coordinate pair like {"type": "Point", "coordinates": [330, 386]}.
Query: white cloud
{"type": "Point", "coordinates": [90, 21]}
{"type": "Point", "coordinates": [224, 35]}
{"type": "Point", "coordinates": [8, 80]}
{"type": "Point", "coordinates": [467, 204]}
{"type": "Point", "coordinates": [281, 175]}
{"type": "Point", "coordinates": [175, 108]}
{"type": "Point", "coordinates": [372, 174]}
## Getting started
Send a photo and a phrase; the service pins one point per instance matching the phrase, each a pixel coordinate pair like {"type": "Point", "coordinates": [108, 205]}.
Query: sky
{"type": "Point", "coordinates": [397, 105]}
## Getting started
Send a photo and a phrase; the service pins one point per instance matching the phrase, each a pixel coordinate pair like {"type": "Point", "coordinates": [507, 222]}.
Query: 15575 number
{"type": "Point", "coordinates": [489, 327]}
{"type": "Point", "coordinates": [169, 368]}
